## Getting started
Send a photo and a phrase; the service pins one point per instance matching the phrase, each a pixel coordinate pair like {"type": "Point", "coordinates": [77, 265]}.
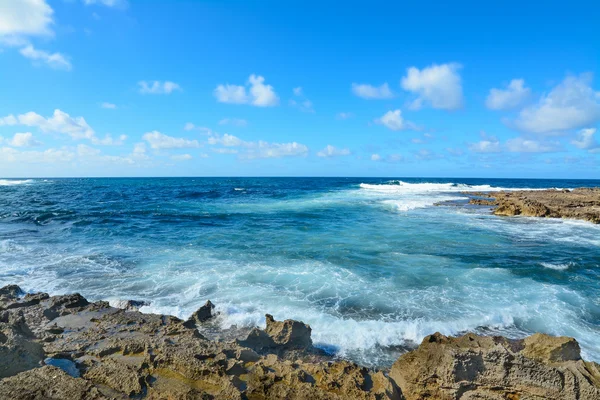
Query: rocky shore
{"type": "Point", "coordinates": [582, 203]}
{"type": "Point", "coordinates": [64, 347]}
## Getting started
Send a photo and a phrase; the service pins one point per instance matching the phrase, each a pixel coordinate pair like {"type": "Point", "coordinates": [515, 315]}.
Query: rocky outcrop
{"type": "Point", "coordinates": [494, 368]}
{"type": "Point", "coordinates": [582, 203]}
{"type": "Point", "coordinates": [64, 347]}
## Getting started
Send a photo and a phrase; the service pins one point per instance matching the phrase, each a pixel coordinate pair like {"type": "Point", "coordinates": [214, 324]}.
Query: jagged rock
{"type": "Point", "coordinates": [485, 367]}
{"type": "Point", "coordinates": [289, 333]}
{"type": "Point", "coordinates": [11, 292]}
{"type": "Point", "coordinates": [202, 314]}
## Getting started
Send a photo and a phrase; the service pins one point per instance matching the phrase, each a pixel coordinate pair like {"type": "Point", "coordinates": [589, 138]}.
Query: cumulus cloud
{"type": "Point", "coordinates": [24, 139]}
{"type": "Point", "coordinates": [371, 92]}
{"type": "Point", "coordinates": [255, 149]}
{"type": "Point", "coordinates": [393, 120]}
{"type": "Point", "coordinates": [586, 141]}
{"type": "Point", "coordinates": [158, 87]}
{"type": "Point", "coordinates": [375, 157]}
{"type": "Point", "coordinates": [59, 122]}
{"type": "Point", "coordinates": [572, 104]}
{"type": "Point", "coordinates": [524, 145]}
{"type": "Point", "coordinates": [255, 93]}
{"type": "Point", "coordinates": [297, 91]}
{"type": "Point", "coordinates": [488, 144]}
{"type": "Point", "coordinates": [439, 86]}
{"type": "Point", "coordinates": [49, 156]}
{"type": "Point", "coordinates": [25, 18]}
{"type": "Point", "coordinates": [53, 60]}
{"type": "Point", "coordinates": [331, 151]}
{"type": "Point", "coordinates": [109, 106]}
{"type": "Point", "coordinates": [108, 140]}
{"type": "Point", "coordinates": [513, 96]}
{"type": "Point", "coordinates": [160, 141]}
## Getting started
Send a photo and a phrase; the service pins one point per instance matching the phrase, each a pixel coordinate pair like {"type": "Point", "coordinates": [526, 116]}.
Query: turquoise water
{"type": "Point", "coordinates": [371, 264]}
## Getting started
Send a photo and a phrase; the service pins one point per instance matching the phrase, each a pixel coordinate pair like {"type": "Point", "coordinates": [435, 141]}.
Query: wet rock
{"type": "Point", "coordinates": [11, 292]}
{"type": "Point", "coordinates": [201, 315]}
{"type": "Point", "coordinates": [485, 367]}
{"type": "Point", "coordinates": [289, 333]}
{"type": "Point", "coordinates": [131, 305]}
{"type": "Point", "coordinates": [66, 365]}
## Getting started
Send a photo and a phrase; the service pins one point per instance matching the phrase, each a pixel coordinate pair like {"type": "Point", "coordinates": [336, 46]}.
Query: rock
{"type": "Point", "coordinates": [11, 292]}
{"type": "Point", "coordinates": [201, 315]}
{"type": "Point", "coordinates": [47, 383]}
{"type": "Point", "coordinates": [581, 203]}
{"type": "Point", "coordinates": [289, 333]}
{"type": "Point", "coordinates": [18, 353]}
{"type": "Point", "coordinates": [485, 367]}
{"type": "Point", "coordinates": [131, 305]}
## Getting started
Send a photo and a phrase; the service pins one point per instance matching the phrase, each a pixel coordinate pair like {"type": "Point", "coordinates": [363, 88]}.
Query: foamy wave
{"type": "Point", "coordinates": [557, 267]}
{"type": "Point", "coordinates": [13, 182]}
{"type": "Point", "coordinates": [429, 187]}
{"type": "Point", "coordinates": [412, 204]}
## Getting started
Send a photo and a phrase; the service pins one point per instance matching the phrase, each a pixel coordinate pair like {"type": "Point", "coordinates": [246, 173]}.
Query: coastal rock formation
{"type": "Point", "coordinates": [109, 353]}
{"type": "Point", "coordinates": [494, 368]}
{"type": "Point", "coordinates": [582, 203]}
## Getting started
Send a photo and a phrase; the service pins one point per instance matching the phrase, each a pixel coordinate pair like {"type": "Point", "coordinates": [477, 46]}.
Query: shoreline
{"type": "Point", "coordinates": [580, 204]}
{"type": "Point", "coordinates": [72, 348]}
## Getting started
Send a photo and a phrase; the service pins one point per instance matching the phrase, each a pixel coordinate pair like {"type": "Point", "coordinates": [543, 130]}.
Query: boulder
{"type": "Point", "coordinates": [289, 333]}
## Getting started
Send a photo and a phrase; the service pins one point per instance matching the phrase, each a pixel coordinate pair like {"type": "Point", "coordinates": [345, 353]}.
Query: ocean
{"type": "Point", "coordinates": [372, 264]}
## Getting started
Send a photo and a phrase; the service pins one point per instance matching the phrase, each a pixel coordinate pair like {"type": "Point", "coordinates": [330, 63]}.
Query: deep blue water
{"type": "Point", "coordinates": [370, 263]}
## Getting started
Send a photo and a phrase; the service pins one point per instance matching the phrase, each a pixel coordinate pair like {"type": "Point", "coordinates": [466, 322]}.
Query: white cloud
{"type": "Point", "coordinates": [331, 151]}
{"type": "Point", "coordinates": [586, 140]}
{"type": "Point", "coordinates": [393, 120]}
{"type": "Point", "coordinates": [258, 94]}
{"type": "Point", "coordinates": [297, 91]}
{"type": "Point", "coordinates": [160, 141]}
{"type": "Point", "coordinates": [276, 150]}
{"type": "Point", "coordinates": [437, 85]}
{"type": "Point", "coordinates": [60, 122]}
{"type": "Point", "coordinates": [25, 18]}
{"type": "Point", "coordinates": [181, 157]}
{"type": "Point", "coordinates": [8, 120]}
{"type": "Point", "coordinates": [572, 104]}
{"type": "Point", "coordinates": [344, 115]}
{"type": "Point", "coordinates": [259, 149]}
{"type": "Point", "coordinates": [107, 3]}
{"type": "Point", "coordinates": [488, 144]}
{"type": "Point", "coordinates": [24, 139]}
{"type": "Point", "coordinates": [303, 104]}
{"type": "Point", "coordinates": [370, 92]}
{"type": "Point", "coordinates": [513, 96]}
{"type": "Point", "coordinates": [231, 94]}
{"type": "Point", "coordinates": [524, 145]}
{"type": "Point", "coordinates": [53, 60]}
{"type": "Point", "coordinates": [109, 141]}
{"type": "Point", "coordinates": [49, 156]}
{"type": "Point", "coordinates": [375, 157]}
{"type": "Point", "coordinates": [191, 127]}
{"type": "Point", "coordinates": [233, 121]}
{"type": "Point", "coordinates": [158, 87]}
{"type": "Point", "coordinates": [109, 106]}
{"type": "Point", "coordinates": [227, 140]}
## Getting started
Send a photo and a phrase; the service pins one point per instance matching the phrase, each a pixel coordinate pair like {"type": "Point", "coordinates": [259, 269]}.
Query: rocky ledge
{"type": "Point", "coordinates": [64, 347]}
{"type": "Point", "coordinates": [582, 203]}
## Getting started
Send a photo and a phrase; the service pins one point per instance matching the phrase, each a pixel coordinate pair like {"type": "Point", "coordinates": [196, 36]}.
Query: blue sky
{"type": "Point", "coordinates": [213, 88]}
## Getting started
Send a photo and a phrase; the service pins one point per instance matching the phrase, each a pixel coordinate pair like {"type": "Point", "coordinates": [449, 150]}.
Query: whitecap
{"type": "Point", "coordinates": [13, 182]}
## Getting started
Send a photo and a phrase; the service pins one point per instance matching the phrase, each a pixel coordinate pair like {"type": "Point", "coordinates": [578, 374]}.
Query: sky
{"type": "Point", "coordinates": [299, 88]}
